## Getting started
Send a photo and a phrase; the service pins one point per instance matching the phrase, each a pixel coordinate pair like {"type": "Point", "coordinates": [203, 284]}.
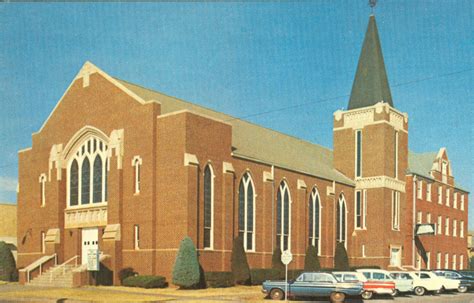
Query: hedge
{"type": "Point", "coordinates": [259, 275]}
{"type": "Point", "coordinates": [145, 281]}
{"type": "Point", "coordinates": [239, 263]}
{"type": "Point", "coordinates": [7, 263]}
{"type": "Point", "coordinates": [311, 260]}
{"type": "Point", "coordinates": [341, 260]}
{"type": "Point", "coordinates": [125, 273]}
{"type": "Point", "coordinates": [219, 279]}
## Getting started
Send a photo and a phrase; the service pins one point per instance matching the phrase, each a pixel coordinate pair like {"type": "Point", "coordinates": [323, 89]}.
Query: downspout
{"type": "Point", "coordinates": [273, 208]}
{"type": "Point", "coordinates": [414, 221]}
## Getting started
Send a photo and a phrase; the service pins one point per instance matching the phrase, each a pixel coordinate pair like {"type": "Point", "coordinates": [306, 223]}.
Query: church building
{"type": "Point", "coordinates": [130, 172]}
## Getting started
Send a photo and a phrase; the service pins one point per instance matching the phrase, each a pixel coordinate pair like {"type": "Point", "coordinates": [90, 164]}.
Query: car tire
{"type": "Point", "coordinates": [367, 295]}
{"type": "Point", "coordinates": [419, 291]}
{"type": "Point", "coordinates": [395, 292]}
{"type": "Point", "coordinates": [277, 294]}
{"type": "Point", "coordinates": [337, 297]}
{"type": "Point", "coordinates": [462, 289]}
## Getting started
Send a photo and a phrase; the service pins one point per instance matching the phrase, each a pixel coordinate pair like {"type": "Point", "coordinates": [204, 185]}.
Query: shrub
{"type": "Point", "coordinates": [125, 273]}
{"type": "Point", "coordinates": [471, 263]}
{"type": "Point", "coordinates": [294, 273]}
{"type": "Point", "coordinates": [7, 263]}
{"type": "Point", "coordinates": [219, 279]}
{"type": "Point", "coordinates": [341, 261]}
{"type": "Point", "coordinates": [353, 268]}
{"type": "Point", "coordinates": [311, 260]}
{"type": "Point", "coordinates": [259, 275]}
{"type": "Point", "coordinates": [239, 263]}
{"type": "Point", "coordinates": [186, 267]}
{"type": "Point", "coordinates": [277, 265]}
{"type": "Point", "coordinates": [145, 281]}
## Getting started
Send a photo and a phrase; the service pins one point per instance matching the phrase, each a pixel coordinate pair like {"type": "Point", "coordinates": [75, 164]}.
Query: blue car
{"type": "Point", "coordinates": [313, 284]}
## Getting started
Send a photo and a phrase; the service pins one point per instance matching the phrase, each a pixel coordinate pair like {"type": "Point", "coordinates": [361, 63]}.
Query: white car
{"type": "Point", "coordinates": [378, 282]}
{"type": "Point", "coordinates": [447, 284]}
{"type": "Point", "coordinates": [425, 281]}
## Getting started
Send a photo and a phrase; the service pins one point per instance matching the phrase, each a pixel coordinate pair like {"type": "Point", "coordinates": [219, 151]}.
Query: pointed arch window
{"type": "Point", "coordinates": [137, 167]}
{"type": "Point", "coordinates": [87, 173]}
{"type": "Point", "coordinates": [341, 220]}
{"type": "Point", "coordinates": [283, 220]}
{"type": "Point", "coordinates": [314, 220]}
{"type": "Point", "coordinates": [42, 181]}
{"type": "Point", "coordinates": [247, 212]}
{"type": "Point", "coordinates": [208, 207]}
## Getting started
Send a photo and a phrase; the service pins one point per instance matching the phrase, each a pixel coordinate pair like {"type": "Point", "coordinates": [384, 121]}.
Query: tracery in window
{"type": "Point", "coordinates": [247, 211]}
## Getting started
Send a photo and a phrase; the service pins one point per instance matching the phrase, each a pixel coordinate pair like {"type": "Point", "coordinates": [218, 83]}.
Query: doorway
{"type": "Point", "coordinates": [90, 240]}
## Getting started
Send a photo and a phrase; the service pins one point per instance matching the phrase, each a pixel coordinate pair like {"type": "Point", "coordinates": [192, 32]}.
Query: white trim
{"type": "Point", "coordinates": [137, 162]}
{"type": "Point", "coordinates": [380, 181]}
{"type": "Point", "coordinates": [190, 159]}
{"type": "Point", "coordinates": [396, 154]}
{"type": "Point", "coordinates": [246, 184]}
{"type": "Point", "coordinates": [211, 232]}
{"type": "Point", "coordinates": [341, 202]}
{"type": "Point", "coordinates": [24, 150]}
{"type": "Point", "coordinates": [395, 210]}
{"type": "Point", "coordinates": [282, 188]}
{"type": "Point", "coordinates": [42, 181]}
{"type": "Point", "coordinates": [313, 196]}
{"type": "Point", "coordinates": [136, 236]}
{"type": "Point", "coordinates": [358, 176]}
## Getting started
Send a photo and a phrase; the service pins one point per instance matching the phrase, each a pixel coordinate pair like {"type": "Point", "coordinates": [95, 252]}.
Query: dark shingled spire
{"type": "Point", "coordinates": [370, 83]}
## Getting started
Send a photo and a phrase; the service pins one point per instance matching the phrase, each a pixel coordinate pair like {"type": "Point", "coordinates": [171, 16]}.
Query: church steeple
{"type": "Point", "coordinates": [370, 83]}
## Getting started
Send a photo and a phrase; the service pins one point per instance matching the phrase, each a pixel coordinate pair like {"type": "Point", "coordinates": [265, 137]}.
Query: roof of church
{"type": "Point", "coordinates": [421, 164]}
{"type": "Point", "coordinates": [256, 142]}
{"type": "Point", "coordinates": [370, 83]}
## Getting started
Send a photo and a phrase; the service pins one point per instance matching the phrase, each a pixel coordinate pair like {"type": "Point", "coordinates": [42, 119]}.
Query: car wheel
{"type": "Point", "coordinates": [395, 292]}
{"type": "Point", "coordinates": [337, 297]}
{"type": "Point", "coordinates": [462, 289]}
{"type": "Point", "coordinates": [419, 291]}
{"type": "Point", "coordinates": [276, 294]}
{"type": "Point", "coordinates": [367, 295]}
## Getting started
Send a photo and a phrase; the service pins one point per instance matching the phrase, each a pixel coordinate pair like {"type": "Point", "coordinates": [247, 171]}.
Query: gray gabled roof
{"type": "Point", "coordinates": [256, 142]}
{"type": "Point", "coordinates": [370, 82]}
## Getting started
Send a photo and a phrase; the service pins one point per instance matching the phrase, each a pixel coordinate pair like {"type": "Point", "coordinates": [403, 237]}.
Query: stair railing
{"type": "Point", "coordinates": [63, 267]}
{"type": "Point", "coordinates": [39, 264]}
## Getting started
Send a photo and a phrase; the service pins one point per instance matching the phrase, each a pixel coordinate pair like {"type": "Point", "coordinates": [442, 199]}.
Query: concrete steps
{"type": "Point", "coordinates": [58, 276]}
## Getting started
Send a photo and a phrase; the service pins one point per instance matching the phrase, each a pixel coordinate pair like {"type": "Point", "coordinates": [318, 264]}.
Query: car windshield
{"type": "Point", "coordinates": [350, 277]}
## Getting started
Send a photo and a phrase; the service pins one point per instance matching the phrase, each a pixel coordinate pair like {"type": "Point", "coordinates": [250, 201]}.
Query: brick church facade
{"type": "Point", "coordinates": [131, 172]}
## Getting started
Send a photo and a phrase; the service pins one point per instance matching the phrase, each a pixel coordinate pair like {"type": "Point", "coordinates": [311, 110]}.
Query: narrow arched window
{"type": "Point", "coordinates": [137, 163]}
{"type": "Point", "coordinates": [341, 220]}
{"type": "Point", "coordinates": [74, 184]}
{"type": "Point", "coordinates": [246, 212]}
{"type": "Point", "coordinates": [208, 207]}
{"type": "Point", "coordinates": [42, 181]}
{"type": "Point", "coordinates": [97, 180]}
{"type": "Point", "coordinates": [85, 181]}
{"type": "Point", "coordinates": [314, 220]}
{"type": "Point", "coordinates": [283, 217]}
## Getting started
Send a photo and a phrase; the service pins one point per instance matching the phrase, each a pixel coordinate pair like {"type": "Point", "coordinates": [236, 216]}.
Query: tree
{"type": "Point", "coordinates": [277, 265]}
{"type": "Point", "coordinates": [186, 267]}
{"type": "Point", "coordinates": [7, 263]}
{"type": "Point", "coordinates": [311, 260]}
{"type": "Point", "coordinates": [341, 261]}
{"type": "Point", "coordinates": [239, 263]}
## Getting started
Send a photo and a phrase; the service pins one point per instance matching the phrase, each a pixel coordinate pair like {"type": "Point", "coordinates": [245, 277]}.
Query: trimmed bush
{"type": "Point", "coordinates": [186, 267]}
{"type": "Point", "coordinates": [353, 268]}
{"type": "Point", "coordinates": [341, 261]}
{"type": "Point", "coordinates": [125, 273]}
{"type": "Point", "coordinates": [145, 281]}
{"type": "Point", "coordinates": [259, 275]}
{"type": "Point", "coordinates": [219, 279]}
{"type": "Point", "coordinates": [7, 263]}
{"type": "Point", "coordinates": [471, 263]}
{"type": "Point", "coordinates": [311, 260]}
{"type": "Point", "coordinates": [239, 263]}
{"type": "Point", "coordinates": [277, 265]}
{"type": "Point", "coordinates": [294, 273]}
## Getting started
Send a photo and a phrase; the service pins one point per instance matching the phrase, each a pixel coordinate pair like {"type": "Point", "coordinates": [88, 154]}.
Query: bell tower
{"type": "Point", "coordinates": [371, 147]}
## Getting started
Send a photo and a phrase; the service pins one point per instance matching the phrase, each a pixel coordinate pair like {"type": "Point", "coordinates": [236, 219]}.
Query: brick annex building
{"type": "Point", "coordinates": [131, 171]}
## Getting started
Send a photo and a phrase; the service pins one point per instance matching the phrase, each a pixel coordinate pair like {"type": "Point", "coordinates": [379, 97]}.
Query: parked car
{"type": "Point", "coordinates": [403, 281]}
{"type": "Point", "coordinates": [467, 273]}
{"type": "Point", "coordinates": [426, 281]}
{"type": "Point", "coordinates": [378, 282]}
{"type": "Point", "coordinates": [312, 284]}
{"type": "Point", "coordinates": [465, 282]}
{"type": "Point", "coordinates": [447, 284]}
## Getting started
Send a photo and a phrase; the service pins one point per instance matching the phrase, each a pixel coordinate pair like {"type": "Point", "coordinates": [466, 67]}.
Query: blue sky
{"type": "Point", "coordinates": [245, 59]}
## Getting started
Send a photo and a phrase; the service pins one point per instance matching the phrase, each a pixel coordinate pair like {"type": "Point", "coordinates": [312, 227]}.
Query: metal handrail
{"type": "Point", "coordinates": [39, 263]}
{"type": "Point", "coordinates": [63, 267]}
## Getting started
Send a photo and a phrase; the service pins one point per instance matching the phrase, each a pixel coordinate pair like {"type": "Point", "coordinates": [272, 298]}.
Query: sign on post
{"type": "Point", "coordinates": [93, 259]}
{"type": "Point", "coordinates": [286, 258]}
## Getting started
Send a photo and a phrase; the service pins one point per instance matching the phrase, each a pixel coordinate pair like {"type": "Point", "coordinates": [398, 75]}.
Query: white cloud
{"type": "Point", "coordinates": [8, 184]}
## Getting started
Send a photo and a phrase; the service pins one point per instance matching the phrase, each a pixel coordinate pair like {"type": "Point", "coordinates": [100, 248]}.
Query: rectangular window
{"type": "Point", "coordinates": [358, 153]}
{"type": "Point", "coordinates": [136, 237]}
{"type": "Point", "coordinates": [440, 195]}
{"type": "Point", "coordinates": [440, 226]}
{"type": "Point", "coordinates": [43, 242]}
{"type": "Point", "coordinates": [446, 227]}
{"type": "Point", "coordinates": [447, 196]}
{"type": "Point", "coordinates": [455, 228]}
{"type": "Point", "coordinates": [455, 199]}
{"type": "Point", "coordinates": [359, 210]}
{"type": "Point", "coordinates": [420, 189]}
{"type": "Point", "coordinates": [363, 250]}
{"type": "Point", "coordinates": [461, 229]}
{"type": "Point", "coordinates": [419, 217]}
{"type": "Point", "coordinates": [438, 260]}
{"type": "Point", "coordinates": [428, 260]}
{"type": "Point", "coordinates": [454, 262]}
{"type": "Point", "coordinates": [428, 218]}
{"type": "Point", "coordinates": [462, 202]}
{"type": "Point", "coordinates": [444, 171]}
{"type": "Point", "coordinates": [446, 261]}
{"type": "Point", "coordinates": [396, 156]}
{"type": "Point", "coordinates": [461, 262]}
{"type": "Point", "coordinates": [395, 210]}
{"type": "Point", "coordinates": [364, 210]}
{"type": "Point", "coordinates": [428, 192]}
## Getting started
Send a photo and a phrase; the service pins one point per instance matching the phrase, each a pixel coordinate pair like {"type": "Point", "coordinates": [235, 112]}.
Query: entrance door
{"type": "Point", "coordinates": [90, 240]}
{"type": "Point", "coordinates": [395, 257]}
